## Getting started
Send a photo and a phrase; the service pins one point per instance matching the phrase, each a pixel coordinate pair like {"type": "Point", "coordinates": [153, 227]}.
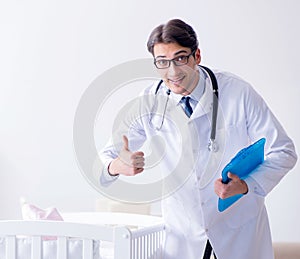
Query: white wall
{"type": "Point", "coordinates": [50, 51]}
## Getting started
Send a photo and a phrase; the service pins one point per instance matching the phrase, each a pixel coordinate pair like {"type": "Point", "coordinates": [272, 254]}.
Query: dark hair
{"type": "Point", "coordinates": [174, 31]}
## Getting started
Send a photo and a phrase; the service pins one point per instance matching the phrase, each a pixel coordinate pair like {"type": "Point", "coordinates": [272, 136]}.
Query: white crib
{"type": "Point", "coordinates": [127, 242]}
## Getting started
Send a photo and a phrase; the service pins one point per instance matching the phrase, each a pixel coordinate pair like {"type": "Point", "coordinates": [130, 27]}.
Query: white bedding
{"type": "Point", "coordinates": [49, 249]}
{"type": "Point", "coordinates": [106, 250]}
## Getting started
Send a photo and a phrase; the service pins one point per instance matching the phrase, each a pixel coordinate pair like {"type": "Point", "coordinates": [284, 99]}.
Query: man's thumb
{"type": "Point", "coordinates": [125, 141]}
{"type": "Point", "coordinates": [233, 176]}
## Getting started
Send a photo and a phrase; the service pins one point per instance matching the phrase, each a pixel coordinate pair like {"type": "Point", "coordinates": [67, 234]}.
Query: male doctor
{"type": "Point", "coordinates": [194, 227]}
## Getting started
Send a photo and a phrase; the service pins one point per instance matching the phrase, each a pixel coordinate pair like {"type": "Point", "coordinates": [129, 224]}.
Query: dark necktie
{"type": "Point", "coordinates": [186, 105]}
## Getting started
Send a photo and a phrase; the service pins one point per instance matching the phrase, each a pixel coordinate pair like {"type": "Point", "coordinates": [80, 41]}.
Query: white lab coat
{"type": "Point", "coordinates": [190, 212]}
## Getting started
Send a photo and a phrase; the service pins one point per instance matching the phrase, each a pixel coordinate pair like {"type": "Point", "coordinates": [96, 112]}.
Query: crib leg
{"type": "Point", "coordinates": [122, 243]}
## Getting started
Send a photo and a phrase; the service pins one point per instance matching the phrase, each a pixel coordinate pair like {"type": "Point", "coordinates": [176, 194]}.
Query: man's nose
{"type": "Point", "coordinates": [173, 70]}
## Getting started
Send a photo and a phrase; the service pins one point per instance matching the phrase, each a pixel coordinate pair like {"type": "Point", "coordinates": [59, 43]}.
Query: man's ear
{"type": "Point", "coordinates": [198, 56]}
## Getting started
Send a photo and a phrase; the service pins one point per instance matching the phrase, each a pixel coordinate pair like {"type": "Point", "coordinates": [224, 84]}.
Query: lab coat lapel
{"type": "Point", "coordinates": [205, 103]}
{"type": "Point", "coordinates": [214, 159]}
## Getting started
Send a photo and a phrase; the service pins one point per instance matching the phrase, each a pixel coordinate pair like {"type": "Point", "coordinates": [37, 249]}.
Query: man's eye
{"type": "Point", "coordinates": [162, 62]}
{"type": "Point", "coordinates": [180, 59]}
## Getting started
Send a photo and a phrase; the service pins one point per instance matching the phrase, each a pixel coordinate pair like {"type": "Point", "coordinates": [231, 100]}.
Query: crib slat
{"type": "Point", "coordinates": [87, 249]}
{"type": "Point", "coordinates": [147, 245]}
{"type": "Point", "coordinates": [10, 247]}
{"type": "Point", "coordinates": [140, 248]}
{"type": "Point", "coordinates": [36, 247]}
{"type": "Point", "coordinates": [144, 247]}
{"type": "Point", "coordinates": [62, 248]}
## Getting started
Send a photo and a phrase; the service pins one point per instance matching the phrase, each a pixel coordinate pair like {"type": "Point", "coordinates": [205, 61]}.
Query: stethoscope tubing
{"type": "Point", "coordinates": [212, 146]}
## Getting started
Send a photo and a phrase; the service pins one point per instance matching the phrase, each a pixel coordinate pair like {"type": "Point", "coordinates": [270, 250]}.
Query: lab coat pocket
{"type": "Point", "coordinates": [244, 210]}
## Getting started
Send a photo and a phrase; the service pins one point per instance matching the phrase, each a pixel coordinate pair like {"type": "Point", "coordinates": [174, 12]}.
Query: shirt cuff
{"type": "Point", "coordinates": [106, 178]}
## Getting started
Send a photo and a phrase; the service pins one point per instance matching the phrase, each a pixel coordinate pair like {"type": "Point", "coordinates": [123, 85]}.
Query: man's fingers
{"type": "Point", "coordinates": [139, 154]}
{"type": "Point", "coordinates": [138, 170]}
{"type": "Point", "coordinates": [125, 142]}
{"type": "Point", "coordinates": [138, 159]}
{"type": "Point", "coordinates": [235, 186]}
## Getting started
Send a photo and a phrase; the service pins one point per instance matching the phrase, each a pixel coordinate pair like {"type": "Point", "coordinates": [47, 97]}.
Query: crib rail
{"type": "Point", "coordinates": [144, 243]}
{"type": "Point", "coordinates": [55, 228]}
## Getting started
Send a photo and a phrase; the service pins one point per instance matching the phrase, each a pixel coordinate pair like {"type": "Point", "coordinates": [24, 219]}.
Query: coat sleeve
{"type": "Point", "coordinates": [280, 155]}
{"type": "Point", "coordinates": [129, 122]}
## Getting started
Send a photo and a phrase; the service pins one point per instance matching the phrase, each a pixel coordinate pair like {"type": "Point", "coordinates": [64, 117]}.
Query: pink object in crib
{"type": "Point", "coordinates": [31, 212]}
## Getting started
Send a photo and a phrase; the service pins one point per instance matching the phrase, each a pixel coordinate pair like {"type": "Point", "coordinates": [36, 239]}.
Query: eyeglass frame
{"type": "Point", "coordinates": [174, 60]}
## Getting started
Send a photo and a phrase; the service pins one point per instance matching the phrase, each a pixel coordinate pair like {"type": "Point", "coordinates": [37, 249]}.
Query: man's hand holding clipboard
{"type": "Point", "coordinates": [244, 162]}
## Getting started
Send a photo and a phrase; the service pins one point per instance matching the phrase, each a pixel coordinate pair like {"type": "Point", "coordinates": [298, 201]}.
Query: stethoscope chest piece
{"type": "Point", "coordinates": [213, 146]}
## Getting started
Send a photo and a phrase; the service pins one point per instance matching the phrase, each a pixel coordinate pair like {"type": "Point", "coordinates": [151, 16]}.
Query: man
{"type": "Point", "coordinates": [194, 226]}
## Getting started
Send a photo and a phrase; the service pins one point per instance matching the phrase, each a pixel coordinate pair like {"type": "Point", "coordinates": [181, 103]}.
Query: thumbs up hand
{"type": "Point", "coordinates": [127, 163]}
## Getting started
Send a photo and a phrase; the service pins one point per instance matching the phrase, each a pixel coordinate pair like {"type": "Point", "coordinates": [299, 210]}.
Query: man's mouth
{"type": "Point", "coordinates": [176, 81]}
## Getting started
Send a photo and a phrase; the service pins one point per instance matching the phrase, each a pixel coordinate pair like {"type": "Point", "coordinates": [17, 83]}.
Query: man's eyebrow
{"type": "Point", "coordinates": [175, 54]}
{"type": "Point", "coordinates": [160, 57]}
{"type": "Point", "coordinates": [180, 52]}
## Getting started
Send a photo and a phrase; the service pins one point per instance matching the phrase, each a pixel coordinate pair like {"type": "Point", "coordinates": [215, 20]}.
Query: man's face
{"type": "Point", "coordinates": [180, 79]}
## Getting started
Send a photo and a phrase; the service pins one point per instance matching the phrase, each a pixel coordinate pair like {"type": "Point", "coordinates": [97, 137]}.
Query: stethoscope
{"type": "Point", "coordinates": [212, 145]}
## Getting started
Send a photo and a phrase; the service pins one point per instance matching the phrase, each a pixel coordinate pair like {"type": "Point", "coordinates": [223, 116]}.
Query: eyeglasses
{"type": "Point", "coordinates": [178, 61]}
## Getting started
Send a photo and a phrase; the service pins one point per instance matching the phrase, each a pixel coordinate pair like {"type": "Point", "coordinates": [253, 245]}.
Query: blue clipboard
{"type": "Point", "coordinates": [244, 162]}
